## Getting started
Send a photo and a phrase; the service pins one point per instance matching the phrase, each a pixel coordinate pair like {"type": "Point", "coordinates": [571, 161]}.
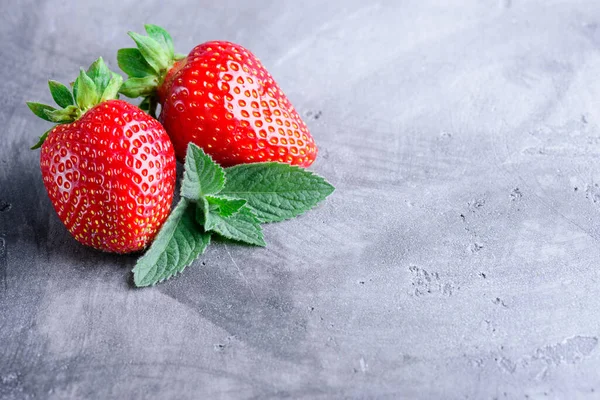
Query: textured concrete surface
{"type": "Point", "coordinates": [458, 258]}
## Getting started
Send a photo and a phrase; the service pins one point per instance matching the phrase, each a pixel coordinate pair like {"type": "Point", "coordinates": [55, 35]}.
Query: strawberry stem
{"type": "Point", "coordinates": [147, 65]}
{"type": "Point", "coordinates": [153, 102]}
{"type": "Point", "coordinates": [92, 87]}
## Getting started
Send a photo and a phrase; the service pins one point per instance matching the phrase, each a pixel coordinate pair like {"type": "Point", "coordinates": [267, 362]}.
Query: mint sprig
{"type": "Point", "coordinates": [179, 242]}
{"type": "Point", "coordinates": [201, 176]}
{"type": "Point", "coordinates": [147, 65]}
{"type": "Point", "coordinates": [276, 191]}
{"type": "Point", "coordinates": [225, 206]}
{"type": "Point", "coordinates": [242, 226]}
{"type": "Point", "coordinates": [229, 203]}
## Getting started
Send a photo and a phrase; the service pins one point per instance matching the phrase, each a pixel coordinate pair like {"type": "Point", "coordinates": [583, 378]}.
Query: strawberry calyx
{"type": "Point", "coordinates": [147, 65]}
{"type": "Point", "coordinates": [92, 87]}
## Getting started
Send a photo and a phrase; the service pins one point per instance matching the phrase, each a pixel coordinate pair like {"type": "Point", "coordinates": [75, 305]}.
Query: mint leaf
{"type": "Point", "coordinates": [202, 175]}
{"type": "Point", "coordinates": [230, 203]}
{"type": "Point", "coordinates": [242, 226]}
{"type": "Point", "coordinates": [225, 206]}
{"type": "Point", "coordinates": [275, 191]}
{"type": "Point", "coordinates": [179, 242]}
{"type": "Point", "coordinates": [202, 211]}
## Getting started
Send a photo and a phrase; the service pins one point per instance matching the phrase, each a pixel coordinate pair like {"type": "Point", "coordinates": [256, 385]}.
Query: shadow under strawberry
{"type": "Point", "coordinates": [222, 287]}
{"type": "Point", "coordinates": [36, 249]}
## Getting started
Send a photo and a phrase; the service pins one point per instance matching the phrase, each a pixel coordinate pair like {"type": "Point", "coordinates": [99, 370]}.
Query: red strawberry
{"type": "Point", "coordinates": [108, 167]}
{"type": "Point", "coordinates": [219, 97]}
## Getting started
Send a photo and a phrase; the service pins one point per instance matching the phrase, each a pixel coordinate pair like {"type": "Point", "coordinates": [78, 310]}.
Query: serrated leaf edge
{"type": "Point", "coordinates": [193, 154]}
{"type": "Point", "coordinates": [184, 204]}
{"type": "Point", "coordinates": [260, 243]}
{"type": "Point", "coordinates": [292, 168]}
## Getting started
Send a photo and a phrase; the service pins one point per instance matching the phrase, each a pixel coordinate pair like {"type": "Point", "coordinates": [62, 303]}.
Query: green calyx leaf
{"type": "Point", "coordinates": [61, 94]}
{"type": "Point", "coordinates": [179, 242]}
{"type": "Point", "coordinates": [275, 191]}
{"type": "Point", "coordinates": [92, 87]}
{"type": "Point", "coordinates": [40, 109]}
{"type": "Point", "coordinates": [136, 87]}
{"type": "Point", "coordinates": [229, 203]}
{"type": "Point", "coordinates": [41, 140]}
{"type": "Point", "coordinates": [153, 52]}
{"type": "Point", "coordinates": [133, 63]}
{"type": "Point", "coordinates": [96, 85]}
{"type": "Point", "coordinates": [147, 65]}
{"type": "Point", "coordinates": [87, 96]}
{"type": "Point", "coordinates": [162, 37]}
{"type": "Point", "coordinates": [201, 176]}
{"type": "Point", "coordinates": [112, 88]}
{"type": "Point", "coordinates": [64, 115]}
{"type": "Point", "coordinates": [100, 74]}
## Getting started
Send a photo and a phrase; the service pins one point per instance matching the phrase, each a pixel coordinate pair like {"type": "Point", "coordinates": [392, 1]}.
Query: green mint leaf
{"type": "Point", "coordinates": [202, 211]}
{"type": "Point", "coordinates": [100, 74]}
{"type": "Point", "coordinates": [136, 87]}
{"type": "Point", "coordinates": [179, 242]}
{"type": "Point", "coordinates": [161, 36]}
{"type": "Point", "coordinates": [242, 226]}
{"type": "Point", "coordinates": [40, 109]}
{"type": "Point", "coordinates": [61, 94]}
{"type": "Point", "coordinates": [152, 51]}
{"type": "Point", "coordinates": [86, 96]}
{"type": "Point", "coordinates": [133, 63]}
{"type": "Point", "coordinates": [201, 175]}
{"type": "Point", "coordinates": [225, 206]}
{"type": "Point", "coordinates": [275, 191]}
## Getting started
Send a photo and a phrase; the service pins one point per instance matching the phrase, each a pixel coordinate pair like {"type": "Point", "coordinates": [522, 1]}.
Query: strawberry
{"type": "Point", "coordinates": [108, 167]}
{"type": "Point", "coordinates": [219, 97]}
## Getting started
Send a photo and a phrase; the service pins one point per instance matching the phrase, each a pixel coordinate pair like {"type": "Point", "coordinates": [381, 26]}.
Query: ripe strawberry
{"type": "Point", "coordinates": [108, 167]}
{"type": "Point", "coordinates": [219, 97]}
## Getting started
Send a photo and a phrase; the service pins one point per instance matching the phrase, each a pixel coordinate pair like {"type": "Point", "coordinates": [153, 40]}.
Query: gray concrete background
{"type": "Point", "coordinates": [458, 258]}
